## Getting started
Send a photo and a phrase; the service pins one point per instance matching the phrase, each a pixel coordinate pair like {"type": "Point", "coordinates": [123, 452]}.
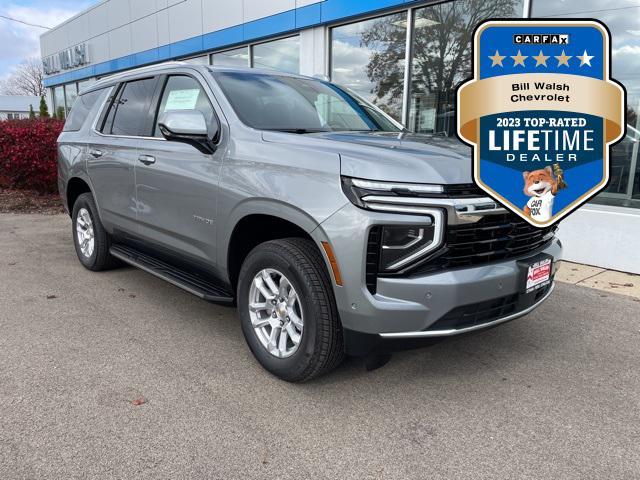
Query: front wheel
{"type": "Point", "coordinates": [288, 310]}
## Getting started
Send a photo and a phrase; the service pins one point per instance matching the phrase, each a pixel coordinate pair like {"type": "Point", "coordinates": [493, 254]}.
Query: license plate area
{"type": "Point", "coordinates": [536, 273]}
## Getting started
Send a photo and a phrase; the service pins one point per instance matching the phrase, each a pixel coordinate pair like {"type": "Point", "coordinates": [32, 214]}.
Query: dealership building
{"type": "Point", "coordinates": [405, 56]}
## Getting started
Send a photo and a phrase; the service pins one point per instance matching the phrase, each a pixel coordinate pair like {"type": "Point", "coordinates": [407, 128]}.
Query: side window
{"type": "Point", "coordinates": [129, 113]}
{"type": "Point", "coordinates": [80, 110]}
{"type": "Point", "coordinates": [184, 93]}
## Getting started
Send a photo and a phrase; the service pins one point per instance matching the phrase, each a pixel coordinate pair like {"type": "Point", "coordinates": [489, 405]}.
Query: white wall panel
{"type": "Point", "coordinates": [185, 20]}
{"type": "Point", "coordinates": [142, 8]}
{"type": "Point", "coordinates": [99, 49]}
{"type": "Point", "coordinates": [255, 9]}
{"type": "Point", "coordinates": [605, 227]}
{"type": "Point", "coordinates": [118, 13]}
{"type": "Point", "coordinates": [98, 20]}
{"type": "Point", "coordinates": [144, 34]}
{"type": "Point", "coordinates": [78, 30]}
{"type": "Point", "coordinates": [162, 18]}
{"type": "Point", "coordinates": [216, 18]}
{"type": "Point", "coordinates": [313, 51]}
{"type": "Point", "coordinates": [120, 41]}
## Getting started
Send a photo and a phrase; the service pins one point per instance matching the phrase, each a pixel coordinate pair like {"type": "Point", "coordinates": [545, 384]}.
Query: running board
{"type": "Point", "coordinates": [197, 285]}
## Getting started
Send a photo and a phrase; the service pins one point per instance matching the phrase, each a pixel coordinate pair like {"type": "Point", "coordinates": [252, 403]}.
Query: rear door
{"type": "Point", "coordinates": [177, 185]}
{"type": "Point", "coordinates": [113, 153]}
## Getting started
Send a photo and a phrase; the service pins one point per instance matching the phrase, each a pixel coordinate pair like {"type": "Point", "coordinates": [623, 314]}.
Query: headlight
{"type": "Point", "coordinates": [402, 244]}
{"type": "Point", "coordinates": [358, 190]}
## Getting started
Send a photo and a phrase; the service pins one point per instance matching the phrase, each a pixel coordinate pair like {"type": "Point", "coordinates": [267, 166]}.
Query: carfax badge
{"type": "Point", "coordinates": [541, 113]}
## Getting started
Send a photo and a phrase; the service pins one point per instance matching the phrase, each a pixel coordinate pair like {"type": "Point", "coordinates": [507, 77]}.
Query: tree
{"type": "Point", "coordinates": [32, 114]}
{"type": "Point", "coordinates": [60, 113]}
{"type": "Point", "coordinates": [25, 80]}
{"type": "Point", "coordinates": [441, 51]}
{"type": "Point", "coordinates": [44, 110]}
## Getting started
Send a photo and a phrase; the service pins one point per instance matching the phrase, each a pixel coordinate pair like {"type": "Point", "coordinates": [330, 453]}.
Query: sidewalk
{"type": "Point", "coordinates": [600, 279]}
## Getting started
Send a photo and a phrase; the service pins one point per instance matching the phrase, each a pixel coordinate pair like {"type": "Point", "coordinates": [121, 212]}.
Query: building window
{"type": "Point", "coordinates": [283, 55]}
{"type": "Point", "coordinates": [369, 58]}
{"type": "Point", "coordinates": [621, 16]}
{"type": "Point", "coordinates": [203, 60]}
{"type": "Point", "coordinates": [441, 46]}
{"type": "Point", "coordinates": [59, 108]}
{"type": "Point", "coordinates": [238, 57]}
{"type": "Point", "coordinates": [70, 93]}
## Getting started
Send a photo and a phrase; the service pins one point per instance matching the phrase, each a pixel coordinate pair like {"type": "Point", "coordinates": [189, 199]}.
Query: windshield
{"type": "Point", "coordinates": [299, 105]}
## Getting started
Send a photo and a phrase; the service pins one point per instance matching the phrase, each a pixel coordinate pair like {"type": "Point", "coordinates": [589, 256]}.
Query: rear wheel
{"type": "Point", "coordinates": [288, 311]}
{"type": "Point", "coordinates": [91, 240]}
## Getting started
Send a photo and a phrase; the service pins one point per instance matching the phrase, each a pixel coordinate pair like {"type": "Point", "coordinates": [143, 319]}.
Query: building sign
{"type": "Point", "coordinates": [541, 113]}
{"type": "Point", "coordinates": [67, 59]}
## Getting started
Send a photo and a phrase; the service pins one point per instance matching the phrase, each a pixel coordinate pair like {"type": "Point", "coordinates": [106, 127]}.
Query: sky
{"type": "Point", "coordinates": [19, 42]}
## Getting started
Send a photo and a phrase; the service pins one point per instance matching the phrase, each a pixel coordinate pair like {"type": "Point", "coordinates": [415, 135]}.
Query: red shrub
{"type": "Point", "coordinates": [28, 154]}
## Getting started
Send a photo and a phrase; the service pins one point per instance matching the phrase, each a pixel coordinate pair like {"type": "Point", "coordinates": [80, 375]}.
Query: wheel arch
{"type": "Point", "coordinates": [76, 186]}
{"type": "Point", "coordinates": [256, 222]}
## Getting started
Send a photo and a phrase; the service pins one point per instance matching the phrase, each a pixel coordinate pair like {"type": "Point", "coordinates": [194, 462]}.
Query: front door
{"type": "Point", "coordinates": [177, 184]}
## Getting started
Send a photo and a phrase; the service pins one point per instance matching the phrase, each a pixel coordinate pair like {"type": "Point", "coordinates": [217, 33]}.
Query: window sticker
{"type": "Point", "coordinates": [182, 99]}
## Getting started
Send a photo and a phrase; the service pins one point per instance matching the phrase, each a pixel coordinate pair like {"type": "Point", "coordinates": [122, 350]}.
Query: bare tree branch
{"type": "Point", "coordinates": [25, 80]}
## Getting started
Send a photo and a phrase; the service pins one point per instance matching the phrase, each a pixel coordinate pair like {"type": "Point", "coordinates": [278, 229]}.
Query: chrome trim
{"type": "Point", "coordinates": [390, 186]}
{"type": "Point", "coordinates": [438, 223]}
{"type": "Point", "coordinates": [453, 331]}
{"type": "Point", "coordinates": [460, 210]}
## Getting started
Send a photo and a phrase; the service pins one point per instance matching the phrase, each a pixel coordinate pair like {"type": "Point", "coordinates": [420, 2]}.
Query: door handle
{"type": "Point", "coordinates": [147, 159]}
{"type": "Point", "coordinates": [95, 153]}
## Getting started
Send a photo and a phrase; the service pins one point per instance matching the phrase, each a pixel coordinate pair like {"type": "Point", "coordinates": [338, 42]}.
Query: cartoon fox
{"type": "Point", "coordinates": [542, 186]}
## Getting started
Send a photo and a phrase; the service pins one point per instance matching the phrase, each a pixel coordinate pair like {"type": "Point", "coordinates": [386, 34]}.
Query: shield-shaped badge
{"type": "Point", "coordinates": [541, 113]}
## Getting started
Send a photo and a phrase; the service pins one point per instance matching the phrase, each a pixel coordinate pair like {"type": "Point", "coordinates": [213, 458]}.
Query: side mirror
{"type": "Point", "coordinates": [190, 127]}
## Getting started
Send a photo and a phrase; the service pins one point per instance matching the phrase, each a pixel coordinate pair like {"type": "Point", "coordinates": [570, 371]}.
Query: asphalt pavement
{"type": "Point", "coordinates": [120, 375]}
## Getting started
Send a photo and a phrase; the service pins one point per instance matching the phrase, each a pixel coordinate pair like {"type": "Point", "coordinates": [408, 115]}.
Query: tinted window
{"type": "Point", "coordinates": [184, 93]}
{"type": "Point", "coordinates": [80, 110]}
{"type": "Point", "coordinates": [369, 58]}
{"type": "Point", "coordinates": [299, 105]}
{"type": "Point", "coordinates": [283, 55]}
{"type": "Point", "coordinates": [129, 113]}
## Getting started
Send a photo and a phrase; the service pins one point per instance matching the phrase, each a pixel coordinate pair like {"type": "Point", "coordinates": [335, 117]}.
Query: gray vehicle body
{"type": "Point", "coordinates": [188, 204]}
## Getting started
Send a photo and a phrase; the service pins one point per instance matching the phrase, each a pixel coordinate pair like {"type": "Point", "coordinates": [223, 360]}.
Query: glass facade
{"type": "Point", "coordinates": [621, 16]}
{"type": "Point", "coordinates": [58, 101]}
{"type": "Point", "coordinates": [283, 55]}
{"type": "Point", "coordinates": [70, 94]}
{"type": "Point", "coordinates": [441, 47]}
{"type": "Point", "coordinates": [369, 58]}
{"type": "Point", "coordinates": [238, 57]}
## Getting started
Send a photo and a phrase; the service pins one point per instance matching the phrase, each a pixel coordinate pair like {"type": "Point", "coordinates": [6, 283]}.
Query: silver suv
{"type": "Point", "coordinates": [332, 228]}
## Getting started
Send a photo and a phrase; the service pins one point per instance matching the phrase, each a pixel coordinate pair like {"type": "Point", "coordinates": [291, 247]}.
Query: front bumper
{"type": "Point", "coordinates": [407, 307]}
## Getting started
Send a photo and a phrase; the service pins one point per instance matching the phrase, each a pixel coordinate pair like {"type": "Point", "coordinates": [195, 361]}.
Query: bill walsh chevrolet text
{"type": "Point", "coordinates": [333, 229]}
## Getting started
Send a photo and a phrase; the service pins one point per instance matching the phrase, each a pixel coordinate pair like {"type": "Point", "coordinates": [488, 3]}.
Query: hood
{"type": "Point", "coordinates": [390, 156]}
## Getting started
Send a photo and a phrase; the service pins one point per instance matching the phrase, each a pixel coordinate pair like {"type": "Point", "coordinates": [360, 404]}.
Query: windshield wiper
{"type": "Point", "coordinates": [300, 131]}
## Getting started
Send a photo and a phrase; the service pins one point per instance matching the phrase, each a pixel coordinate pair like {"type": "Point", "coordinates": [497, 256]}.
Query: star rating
{"type": "Point", "coordinates": [563, 59]}
{"type": "Point", "coordinates": [497, 59]}
{"type": "Point", "coordinates": [518, 59]}
{"type": "Point", "coordinates": [541, 59]}
{"type": "Point", "coordinates": [585, 59]}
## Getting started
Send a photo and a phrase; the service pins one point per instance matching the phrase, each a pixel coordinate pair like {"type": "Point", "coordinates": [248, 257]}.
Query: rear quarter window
{"type": "Point", "coordinates": [81, 109]}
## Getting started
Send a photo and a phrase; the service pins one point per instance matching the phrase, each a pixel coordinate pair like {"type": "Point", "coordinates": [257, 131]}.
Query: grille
{"type": "Point", "coordinates": [463, 190]}
{"type": "Point", "coordinates": [373, 259]}
{"type": "Point", "coordinates": [484, 312]}
{"type": "Point", "coordinates": [493, 238]}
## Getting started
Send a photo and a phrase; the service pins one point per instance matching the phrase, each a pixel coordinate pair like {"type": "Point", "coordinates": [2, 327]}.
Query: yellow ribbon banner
{"type": "Point", "coordinates": [559, 92]}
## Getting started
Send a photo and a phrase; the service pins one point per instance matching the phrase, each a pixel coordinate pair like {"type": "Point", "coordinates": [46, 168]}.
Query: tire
{"type": "Point", "coordinates": [321, 345]}
{"type": "Point", "coordinates": [97, 258]}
